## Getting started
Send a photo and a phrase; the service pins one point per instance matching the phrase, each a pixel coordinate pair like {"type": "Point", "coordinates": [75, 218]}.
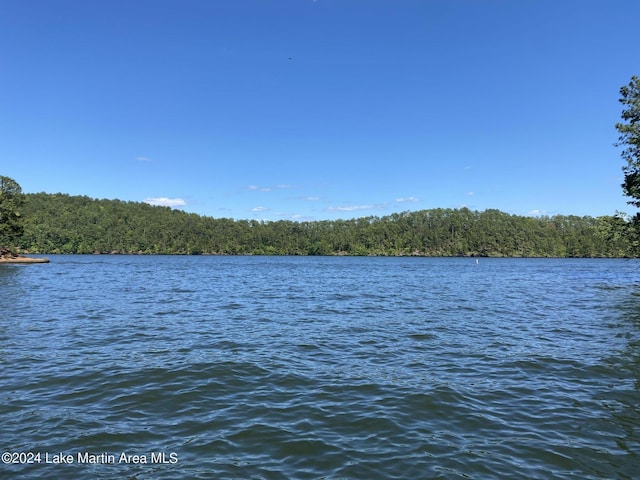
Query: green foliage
{"type": "Point", "coordinates": [73, 224]}
{"type": "Point", "coordinates": [630, 139]}
{"type": "Point", "coordinates": [11, 220]}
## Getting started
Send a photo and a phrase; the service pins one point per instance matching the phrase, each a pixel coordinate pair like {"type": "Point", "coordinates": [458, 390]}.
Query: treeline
{"type": "Point", "coordinates": [59, 223]}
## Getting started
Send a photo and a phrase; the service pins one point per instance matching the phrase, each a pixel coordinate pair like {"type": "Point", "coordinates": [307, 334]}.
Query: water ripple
{"type": "Point", "coordinates": [323, 367]}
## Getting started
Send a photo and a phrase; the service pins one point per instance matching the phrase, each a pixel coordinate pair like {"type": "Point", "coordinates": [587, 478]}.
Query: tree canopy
{"type": "Point", "coordinates": [11, 220]}
{"type": "Point", "coordinates": [59, 223]}
{"type": "Point", "coordinates": [629, 138]}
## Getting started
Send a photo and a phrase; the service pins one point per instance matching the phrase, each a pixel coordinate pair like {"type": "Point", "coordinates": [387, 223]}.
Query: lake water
{"type": "Point", "coordinates": [320, 367]}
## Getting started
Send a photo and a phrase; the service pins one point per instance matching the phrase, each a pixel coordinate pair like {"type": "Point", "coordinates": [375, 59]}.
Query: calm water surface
{"type": "Point", "coordinates": [320, 367]}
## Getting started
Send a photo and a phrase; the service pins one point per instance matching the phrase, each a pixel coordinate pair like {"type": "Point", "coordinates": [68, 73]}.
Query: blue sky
{"type": "Point", "coordinates": [319, 109]}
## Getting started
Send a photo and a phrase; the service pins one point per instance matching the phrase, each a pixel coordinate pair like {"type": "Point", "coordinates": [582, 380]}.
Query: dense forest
{"type": "Point", "coordinates": [59, 223]}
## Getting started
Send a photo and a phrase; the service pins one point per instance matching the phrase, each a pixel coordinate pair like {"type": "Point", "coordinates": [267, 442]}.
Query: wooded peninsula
{"type": "Point", "coordinates": [60, 223]}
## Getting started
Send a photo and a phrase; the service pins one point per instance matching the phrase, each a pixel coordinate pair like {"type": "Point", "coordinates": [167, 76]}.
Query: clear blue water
{"type": "Point", "coordinates": [320, 367]}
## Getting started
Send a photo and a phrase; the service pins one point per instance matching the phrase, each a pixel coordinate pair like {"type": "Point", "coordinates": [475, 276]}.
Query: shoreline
{"type": "Point", "coordinates": [22, 259]}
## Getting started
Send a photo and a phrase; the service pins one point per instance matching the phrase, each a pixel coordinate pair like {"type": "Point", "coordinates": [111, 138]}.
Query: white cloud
{"type": "Point", "coordinates": [165, 202]}
{"type": "Point", "coordinates": [312, 199]}
{"type": "Point", "coordinates": [537, 212]}
{"type": "Point", "coordinates": [143, 159]}
{"type": "Point", "coordinates": [350, 208]}
{"type": "Point", "coordinates": [256, 188]}
{"type": "Point", "coordinates": [259, 209]}
{"type": "Point", "coordinates": [470, 194]}
{"type": "Point", "coordinates": [294, 216]}
{"type": "Point", "coordinates": [406, 199]}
